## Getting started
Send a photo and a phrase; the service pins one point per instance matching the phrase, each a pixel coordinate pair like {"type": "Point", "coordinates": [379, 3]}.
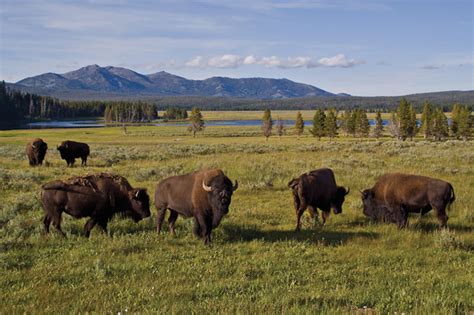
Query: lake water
{"type": "Point", "coordinates": [99, 123]}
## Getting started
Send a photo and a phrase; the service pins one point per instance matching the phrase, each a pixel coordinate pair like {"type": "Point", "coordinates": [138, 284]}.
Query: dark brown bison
{"type": "Point", "coordinates": [36, 150]}
{"type": "Point", "coordinates": [98, 196]}
{"type": "Point", "coordinates": [317, 189]}
{"type": "Point", "coordinates": [70, 150]}
{"type": "Point", "coordinates": [203, 195]}
{"type": "Point", "coordinates": [395, 195]}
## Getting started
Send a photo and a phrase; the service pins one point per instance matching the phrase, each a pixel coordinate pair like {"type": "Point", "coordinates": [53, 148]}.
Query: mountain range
{"type": "Point", "coordinates": [104, 82]}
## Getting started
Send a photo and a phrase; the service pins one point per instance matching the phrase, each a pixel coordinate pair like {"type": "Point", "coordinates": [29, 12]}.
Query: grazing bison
{"type": "Point", "coordinates": [98, 196]}
{"type": "Point", "coordinates": [203, 195]}
{"type": "Point", "coordinates": [398, 194]}
{"type": "Point", "coordinates": [70, 150]}
{"type": "Point", "coordinates": [36, 150]}
{"type": "Point", "coordinates": [317, 189]}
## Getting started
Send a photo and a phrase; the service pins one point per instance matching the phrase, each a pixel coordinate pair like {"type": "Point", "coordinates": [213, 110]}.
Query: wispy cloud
{"type": "Point", "coordinates": [234, 61]}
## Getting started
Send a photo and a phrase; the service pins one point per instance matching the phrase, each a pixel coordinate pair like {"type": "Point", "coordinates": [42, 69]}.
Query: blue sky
{"type": "Point", "coordinates": [361, 47]}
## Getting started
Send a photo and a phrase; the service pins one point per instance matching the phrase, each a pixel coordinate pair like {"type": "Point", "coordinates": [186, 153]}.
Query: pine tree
{"type": "Point", "coordinates": [351, 123]}
{"type": "Point", "coordinates": [330, 124]}
{"type": "Point", "coordinates": [280, 127]}
{"type": "Point", "coordinates": [455, 119]}
{"type": "Point", "coordinates": [440, 125]}
{"type": "Point", "coordinates": [267, 124]}
{"type": "Point", "coordinates": [362, 123]}
{"type": "Point", "coordinates": [404, 119]}
{"type": "Point", "coordinates": [427, 120]}
{"type": "Point", "coordinates": [412, 123]}
{"type": "Point", "coordinates": [197, 122]}
{"type": "Point", "coordinates": [345, 122]}
{"type": "Point", "coordinates": [318, 124]}
{"type": "Point", "coordinates": [378, 129]}
{"type": "Point", "coordinates": [464, 121]}
{"type": "Point", "coordinates": [299, 124]}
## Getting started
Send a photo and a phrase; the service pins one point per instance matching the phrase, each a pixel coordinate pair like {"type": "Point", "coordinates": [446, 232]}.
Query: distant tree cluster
{"type": "Point", "coordinates": [118, 112]}
{"type": "Point", "coordinates": [403, 123]}
{"type": "Point", "coordinates": [355, 123]}
{"type": "Point", "coordinates": [174, 113]}
{"type": "Point", "coordinates": [16, 106]}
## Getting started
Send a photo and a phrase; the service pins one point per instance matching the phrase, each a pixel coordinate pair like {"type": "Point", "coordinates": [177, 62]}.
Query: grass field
{"type": "Point", "coordinates": [256, 262]}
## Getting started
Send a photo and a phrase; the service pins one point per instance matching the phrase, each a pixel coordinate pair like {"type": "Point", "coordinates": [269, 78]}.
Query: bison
{"type": "Point", "coordinates": [396, 195]}
{"type": "Point", "coordinates": [317, 189]}
{"type": "Point", "coordinates": [97, 196]}
{"type": "Point", "coordinates": [70, 150]}
{"type": "Point", "coordinates": [36, 150]}
{"type": "Point", "coordinates": [203, 195]}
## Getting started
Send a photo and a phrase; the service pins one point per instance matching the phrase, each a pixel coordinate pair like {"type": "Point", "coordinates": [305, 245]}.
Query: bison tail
{"type": "Point", "coordinates": [453, 196]}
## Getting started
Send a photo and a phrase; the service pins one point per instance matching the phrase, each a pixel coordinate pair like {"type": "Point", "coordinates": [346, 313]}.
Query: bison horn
{"type": "Point", "coordinates": [137, 193]}
{"type": "Point", "coordinates": [33, 146]}
{"type": "Point", "coordinates": [205, 187]}
{"type": "Point", "coordinates": [348, 190]}
{"type": "Point", "coordinates": [236, 185]}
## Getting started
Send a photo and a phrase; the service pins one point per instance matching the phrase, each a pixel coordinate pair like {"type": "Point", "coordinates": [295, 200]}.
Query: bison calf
{"type": "Point", "coordinates": [317, 189]}
{"type": "Point", "coordinates": [36, 150]}
{"type": "Point", "coordinates": [98, 196]}
{"type": "Point", "coordinates": [203, 195]}
{"type": "Point", "coordinates": [401, 194]}
{"type": "Point", "coordinates": [70, 150]}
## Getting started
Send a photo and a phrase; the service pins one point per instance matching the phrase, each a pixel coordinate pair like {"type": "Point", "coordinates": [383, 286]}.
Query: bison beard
{"type": "Point", "coordinates": [203, 195]}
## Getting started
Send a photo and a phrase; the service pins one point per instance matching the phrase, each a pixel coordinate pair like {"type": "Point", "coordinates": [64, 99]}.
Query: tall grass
{"type": "Point", "coordinates": [256, 263]}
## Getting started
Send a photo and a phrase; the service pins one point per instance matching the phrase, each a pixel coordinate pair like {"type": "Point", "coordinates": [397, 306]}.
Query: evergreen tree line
{"type": "Point", "coordinates": [119, 112]}
{"type": "Point", "coordinates": [173, 113]}
{"type": "Point", "coordinates": [403, 123]}
{"type": "Point", "coordinates": [17, 106]}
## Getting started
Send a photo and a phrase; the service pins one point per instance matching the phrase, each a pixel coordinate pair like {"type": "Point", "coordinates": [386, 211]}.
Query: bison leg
{"type": "Point", "coordinates": [205, 224]}
{"type": "Point", "coordinates": [160, 218]}
{"type": "Point", "coordinates": [57, 224]}
{"type": "Point", "coordinates": [103, 225]}
{"type": "Point", "coordinates": [46, 222]}
{"type": "Point", "coordinates": [84, 161]}
{"type": "Point", "coordinates": [325, 215]}
{"type": "Point", "coordinates": [197, 228]}
{"type": "Point", "coordinates": [171, 220]}
{"type": "Point", "coordinates": [88, 227]}
{"type": "Point", "coordinates": [313, 213]}
{"type": "Point", "coordinates": [442, 216]}
{"type": "Point", "coordinates": [299, 213]}
{"type": "Point", "coordinates": [401, 217]}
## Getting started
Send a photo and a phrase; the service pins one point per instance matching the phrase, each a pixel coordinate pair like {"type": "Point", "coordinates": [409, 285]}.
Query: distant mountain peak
{"type": "Point", "coordinates": [119, 81]}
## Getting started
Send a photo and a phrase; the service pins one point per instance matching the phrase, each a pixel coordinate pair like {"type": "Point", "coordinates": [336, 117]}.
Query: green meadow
{"type": "Point", "coordinates": [256, 262]}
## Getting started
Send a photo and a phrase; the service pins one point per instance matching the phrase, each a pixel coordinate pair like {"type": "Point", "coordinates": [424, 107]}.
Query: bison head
{"type": "Point", "coordinates": [220, 191]}
{"type": "Point", "coordinates": [341, 193]}
{"type": "Point", "coordinates": [140, 204]}
{"type": "Point", "coordinates": [370, 204]}
{"type": "Point", "coordinates": [62, 148]}
{"type": "Point", "coordinates": [39, 149]}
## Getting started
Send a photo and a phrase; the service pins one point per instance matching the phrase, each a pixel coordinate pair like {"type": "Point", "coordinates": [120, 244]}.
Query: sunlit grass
{"type": "Point", "coordinates": [256, 263]}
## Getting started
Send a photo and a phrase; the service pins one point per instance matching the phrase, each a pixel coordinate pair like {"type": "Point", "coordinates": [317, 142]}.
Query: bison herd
{"type": "Point", "coordinates": [206, 195]}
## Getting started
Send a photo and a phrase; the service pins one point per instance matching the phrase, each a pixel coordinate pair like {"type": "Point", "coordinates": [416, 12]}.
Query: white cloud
{"type": "Point", "coordinates": [225, 61]}
{"type": "Point", "coordinates": [197, 61]}
{"type": "Point", "coordinates": [337, 61]}
{"type": "Point", "coordinates": [250, 60]}
{"type": "Point", "coordinates": [234, 61]}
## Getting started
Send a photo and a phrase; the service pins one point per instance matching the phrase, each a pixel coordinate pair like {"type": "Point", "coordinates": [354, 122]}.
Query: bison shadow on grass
{"type": "Point", "coordinates": [236, 234]}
